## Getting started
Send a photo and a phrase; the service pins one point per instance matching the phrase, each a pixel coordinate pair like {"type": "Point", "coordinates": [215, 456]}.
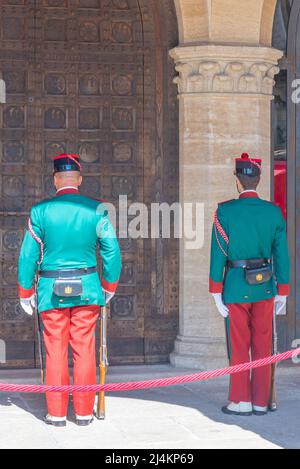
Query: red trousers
{"type": "Point", "coordinates": [74, 327]}
{"type": "Point", "coordinates": [251, 331]}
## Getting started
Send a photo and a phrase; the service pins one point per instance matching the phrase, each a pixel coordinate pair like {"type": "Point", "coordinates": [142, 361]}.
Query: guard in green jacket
{"type": "Point", "coordinates": [250, 270]}
{"type": "Point", "coordinates": [60, 251]}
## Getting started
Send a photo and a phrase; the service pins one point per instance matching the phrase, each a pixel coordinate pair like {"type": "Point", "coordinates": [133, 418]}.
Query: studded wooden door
{"type": "Point", "coordinates": [94, 77]}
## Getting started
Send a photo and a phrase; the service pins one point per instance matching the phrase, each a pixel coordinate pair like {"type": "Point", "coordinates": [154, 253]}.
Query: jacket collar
{"type": "Point", "coordinates": [249, 194]}
{"type": "Point", "coordinates": [67, 190]}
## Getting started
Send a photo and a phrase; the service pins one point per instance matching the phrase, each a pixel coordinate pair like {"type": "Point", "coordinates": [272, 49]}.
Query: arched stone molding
{"type": "Point", "coordinates": [221, 21]}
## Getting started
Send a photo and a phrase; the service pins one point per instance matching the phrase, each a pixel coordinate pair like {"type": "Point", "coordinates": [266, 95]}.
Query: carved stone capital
{"type": "Point", "coordinates": [226, 69]}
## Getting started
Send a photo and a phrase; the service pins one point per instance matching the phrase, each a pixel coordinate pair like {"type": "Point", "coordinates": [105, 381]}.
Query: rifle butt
{"type": "Point", "coordinates": [100, 414]}
{"type": "Point", "coordinates": [101, 395]}
{"type": "Point", "coordinates": [273, 398]}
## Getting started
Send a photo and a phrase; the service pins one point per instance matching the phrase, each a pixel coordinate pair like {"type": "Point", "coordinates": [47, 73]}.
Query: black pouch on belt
{"type": "Point", "coordinates": [258, 275]}
{"type": "Point", "coordinates": [68, 287]}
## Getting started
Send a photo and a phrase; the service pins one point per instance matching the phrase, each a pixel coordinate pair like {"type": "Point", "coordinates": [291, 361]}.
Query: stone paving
{"type": "Point", "coordinates": [175, 418]}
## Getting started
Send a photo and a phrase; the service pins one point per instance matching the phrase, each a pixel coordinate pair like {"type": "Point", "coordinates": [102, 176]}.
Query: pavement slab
{"type": "Point", "coordinates": [179, 417]}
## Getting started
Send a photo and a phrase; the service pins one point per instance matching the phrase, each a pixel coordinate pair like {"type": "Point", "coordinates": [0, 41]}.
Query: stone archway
{"type": "Point", "coordinates": [220, 21]}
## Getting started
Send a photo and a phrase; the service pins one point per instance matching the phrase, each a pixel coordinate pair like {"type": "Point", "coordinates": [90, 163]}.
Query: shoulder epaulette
{"type": "Point", "coordinates": [270, 202]}
{"type": "Point", "coordinates": [44, 201]}
{"type": "Point", "coordinates": [100, 200]}
{"type": "Point", "coordinates": [226, 202]}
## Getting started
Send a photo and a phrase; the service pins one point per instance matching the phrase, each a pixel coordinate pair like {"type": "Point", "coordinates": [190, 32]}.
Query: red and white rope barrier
{"type": "Point", "coordinates": [155, 383]}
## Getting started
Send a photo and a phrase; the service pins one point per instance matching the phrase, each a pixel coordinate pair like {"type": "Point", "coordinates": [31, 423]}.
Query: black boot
{"type": "Point", "coordinates": [260, 411]}
{"type": "Point", "coordinates": [84, 423]}
{"type": "Point", "coordinates": [57, 423]}
{"type": "Point", "coordinates": [243, 409]}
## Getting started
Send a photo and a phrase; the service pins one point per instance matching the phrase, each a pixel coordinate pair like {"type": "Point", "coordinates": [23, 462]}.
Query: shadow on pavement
{"type": "Point", "coordinates": [156, 406]}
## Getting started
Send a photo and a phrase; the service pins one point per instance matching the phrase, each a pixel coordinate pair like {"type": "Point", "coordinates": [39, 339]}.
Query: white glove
{"type": "Point", "coordinates": [107, 296]}
{"type": "Point", "coordinates": [222, 308]}
{"type": "Point", "coordinates": [280, 304]}
{"type": "Point", "coordinates": [28, 305]}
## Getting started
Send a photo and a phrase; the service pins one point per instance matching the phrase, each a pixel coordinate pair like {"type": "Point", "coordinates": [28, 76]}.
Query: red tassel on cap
{"type": "Point", "coordinates": [245, 156]}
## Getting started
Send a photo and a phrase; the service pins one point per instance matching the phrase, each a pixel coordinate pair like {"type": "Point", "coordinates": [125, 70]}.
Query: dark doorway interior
{"type": "Point", "coordinates": [286, 151]}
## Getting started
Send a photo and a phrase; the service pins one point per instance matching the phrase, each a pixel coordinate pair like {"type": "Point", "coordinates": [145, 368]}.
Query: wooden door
{"type": "Point", "coordinates": [92, 76]}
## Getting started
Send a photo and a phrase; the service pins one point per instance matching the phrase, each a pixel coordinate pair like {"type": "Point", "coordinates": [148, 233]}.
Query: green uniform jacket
{"type": "Point", "coordinates": [65, 233]}
{"type": "Point", "coordinates": [248, 228]}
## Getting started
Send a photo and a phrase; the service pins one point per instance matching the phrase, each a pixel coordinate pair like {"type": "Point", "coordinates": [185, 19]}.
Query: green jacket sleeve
{"type": "Point", "coordinates": [219, 252]}
{"type": "Point", "coordinates": [281, 258]}
{"type": "Point", "coordinates": [110, 254]}
{"type": "Point", "coordinates": [30, 255]}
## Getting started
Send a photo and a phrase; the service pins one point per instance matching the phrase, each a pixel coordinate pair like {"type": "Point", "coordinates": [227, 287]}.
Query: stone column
{"type": "Point", "coordinates": [225, 94]}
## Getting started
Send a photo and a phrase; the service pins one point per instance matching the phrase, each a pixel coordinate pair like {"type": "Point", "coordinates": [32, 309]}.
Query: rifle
{"type": "Point", "coordinates": [273, 399]}
{"type": "Point", "coordinates": [38, 327]}
{"type": "Point", "coordinates": [227, 336]}
{"type": "Point", "coordinates": [103, 363]}
{"type": "Point", "coordinates": [227, 324]}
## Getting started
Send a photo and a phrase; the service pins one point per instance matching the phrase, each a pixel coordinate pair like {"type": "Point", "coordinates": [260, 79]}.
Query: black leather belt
{"type": "Point", "coordinates": [248, 263]}
{"type": "Point", "coordinates": [67, 273]}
